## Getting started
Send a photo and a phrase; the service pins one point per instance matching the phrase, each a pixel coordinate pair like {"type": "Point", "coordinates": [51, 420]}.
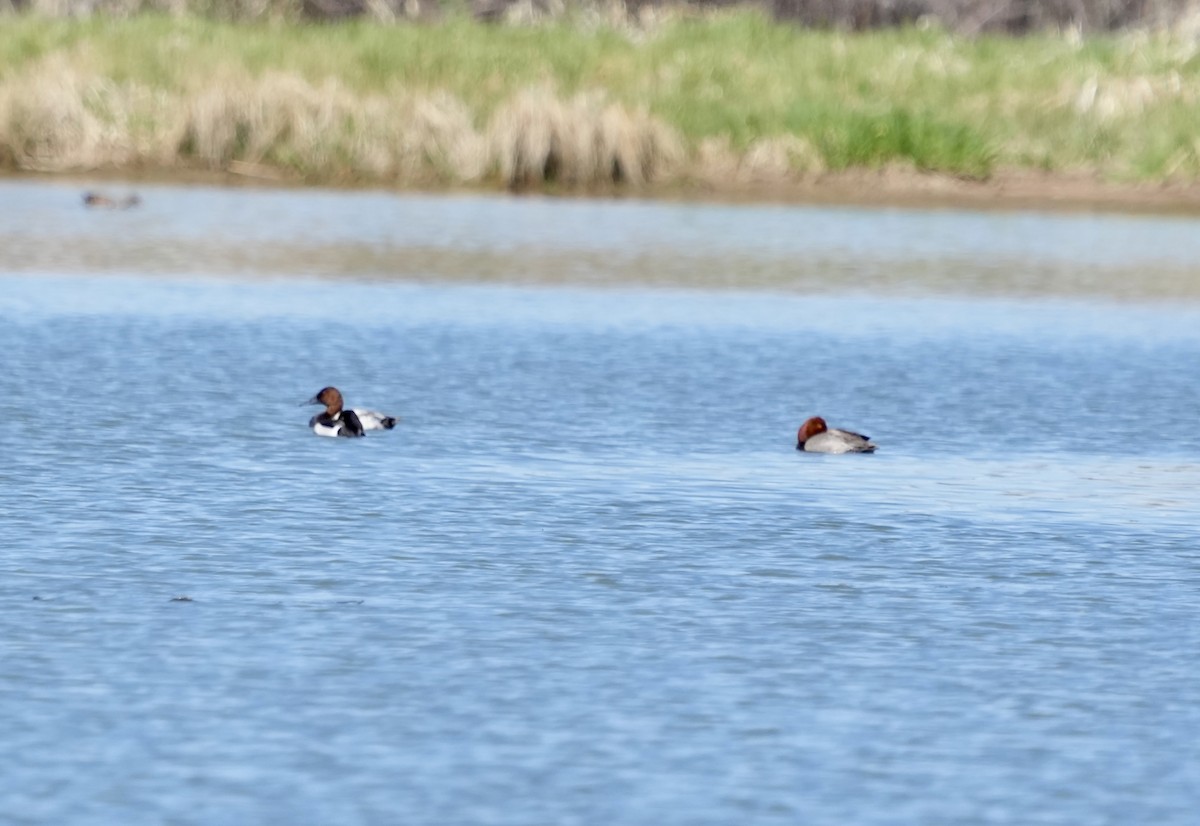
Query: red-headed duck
{"type": "Point", "coordinates": [338, 421]}
{"type": "Point", "coordinates": [816, 437]}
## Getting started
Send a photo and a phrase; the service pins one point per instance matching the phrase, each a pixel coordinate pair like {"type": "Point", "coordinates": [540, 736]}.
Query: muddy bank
{"type": "Point", "coordinates": [1007, 189]}
{"type": "Point", "coordinates": [900, 188]}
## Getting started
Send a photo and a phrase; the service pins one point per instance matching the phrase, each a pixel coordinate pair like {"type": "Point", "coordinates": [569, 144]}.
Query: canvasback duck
{"type": "Point", "coordinates": [816, 437]}
{"type": "Point", "coordinates": [339, 421]}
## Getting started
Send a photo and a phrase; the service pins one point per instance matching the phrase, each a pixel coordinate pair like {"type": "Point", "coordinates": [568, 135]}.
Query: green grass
{"type": "Point", "coordinates": [1123, 107]}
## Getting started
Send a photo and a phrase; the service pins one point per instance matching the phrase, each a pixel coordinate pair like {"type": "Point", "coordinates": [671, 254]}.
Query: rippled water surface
{"type": "Point", "coordinates": [588, 579]}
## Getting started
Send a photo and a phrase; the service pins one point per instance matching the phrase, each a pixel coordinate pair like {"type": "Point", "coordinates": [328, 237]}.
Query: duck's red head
{"type": "Point", "coordinates": [331, 398]}
{"type": "Point", "coordinates": [809, 429]}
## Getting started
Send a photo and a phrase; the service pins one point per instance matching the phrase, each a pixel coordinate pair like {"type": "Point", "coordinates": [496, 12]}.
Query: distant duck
{"type": "Point", "coordinates": [337, 421]}
{"type": "Point", "coordinates": [96, 200]}
{"type": "Point", "coordinates": [816, 437]}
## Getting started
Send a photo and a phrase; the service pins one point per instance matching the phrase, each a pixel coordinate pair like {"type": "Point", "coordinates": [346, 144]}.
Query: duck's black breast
{"type": "Point", "coordinates": [345, 423]}
{"type": "Point", "coordinates": [351, 426]}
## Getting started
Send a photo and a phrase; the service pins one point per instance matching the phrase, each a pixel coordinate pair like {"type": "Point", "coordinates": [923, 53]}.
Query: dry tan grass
{"type": "Point", "coordinates": [55, 117]}
{"type": "Point", "coordinates": [441, 136]}
{"type": "Point", "coordinates": [538, 137]}
{"type": "Point", "coordinates": [1127, 97]}
{"type": "Point", "coordinates": [778, 159]}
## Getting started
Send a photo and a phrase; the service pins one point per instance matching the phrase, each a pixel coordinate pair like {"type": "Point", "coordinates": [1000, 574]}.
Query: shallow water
{"type": "Point", "coordinates": [588, 579]}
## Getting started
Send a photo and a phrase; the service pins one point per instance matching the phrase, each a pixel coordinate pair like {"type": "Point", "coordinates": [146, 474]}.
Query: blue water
{"type": "Point", "coordinates": [588, 579]}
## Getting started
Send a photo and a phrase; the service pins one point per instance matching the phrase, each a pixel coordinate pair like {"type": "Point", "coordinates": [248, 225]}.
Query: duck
{"type": "Point", "coordinates": [817, 437]}
{"type": "Point", "coordinates": [339, 421]}
{"type": "Point", "coordinates": [97, 200]}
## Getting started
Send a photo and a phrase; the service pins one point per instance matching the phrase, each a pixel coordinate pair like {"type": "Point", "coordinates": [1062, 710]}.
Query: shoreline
{"type": "Point", "coordinates": [1009, 190]}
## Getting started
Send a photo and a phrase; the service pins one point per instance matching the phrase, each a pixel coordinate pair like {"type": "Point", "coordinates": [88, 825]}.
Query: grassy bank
{"type": "Point", "coordinates": [586, 102]}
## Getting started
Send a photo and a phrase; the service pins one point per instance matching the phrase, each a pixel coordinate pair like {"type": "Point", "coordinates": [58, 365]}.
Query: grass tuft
{"type": "Point", "coordinates": [537, 137]}
{"type": "Point", "coordinates": [876, 140]}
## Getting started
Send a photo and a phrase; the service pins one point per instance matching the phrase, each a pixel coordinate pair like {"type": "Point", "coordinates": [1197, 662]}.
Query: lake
{"type": "Point", "coordinates": [588, 579]}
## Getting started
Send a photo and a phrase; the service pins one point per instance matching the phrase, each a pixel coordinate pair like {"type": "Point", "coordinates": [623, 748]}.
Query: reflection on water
{"type": "Point", "coordinates": [546, 241]}
{"type": "Point", "coordinates": [588, 579]}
